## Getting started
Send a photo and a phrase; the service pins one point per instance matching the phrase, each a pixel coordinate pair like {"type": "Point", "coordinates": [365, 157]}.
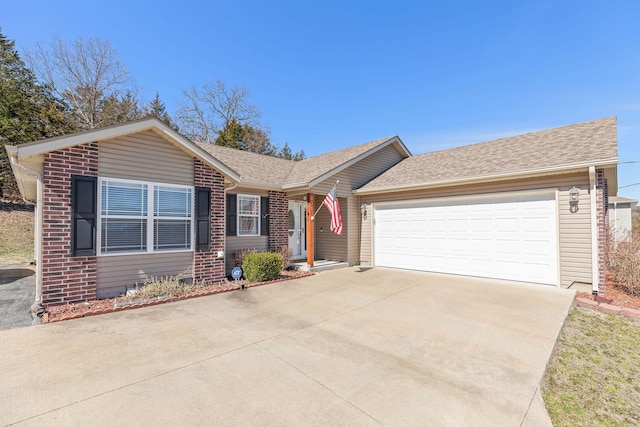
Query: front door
{"type": "Point", "coordinates": [297, 231]}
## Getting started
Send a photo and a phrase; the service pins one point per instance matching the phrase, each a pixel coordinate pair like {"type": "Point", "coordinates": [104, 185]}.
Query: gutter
{"type": "Point", "coordinates": [481, 179]}
{"type": "Point", "coordinates": [257, 185]}
{"type": "Point", "coordinates": [595, 280]}
{"type": "Point", "coordinates": [39, 223]}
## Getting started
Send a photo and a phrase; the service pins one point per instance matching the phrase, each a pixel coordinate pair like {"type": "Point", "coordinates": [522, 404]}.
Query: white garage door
{"type": "Point", "coordinates": [510, 236]}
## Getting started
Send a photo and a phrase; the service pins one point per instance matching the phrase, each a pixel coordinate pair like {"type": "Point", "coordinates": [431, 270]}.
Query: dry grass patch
{"type": "Point", "coordinates": [171, 286]}
{"type": "Point", "coordinates": [593, 376]}
{"type": "Point", "coordinates": [623, 261]}
{"type": "Point", "coordinates": [16, 235]}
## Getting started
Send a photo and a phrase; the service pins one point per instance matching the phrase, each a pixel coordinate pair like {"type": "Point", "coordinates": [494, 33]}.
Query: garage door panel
{"type": "Point", "coordinates": [481, 225]}
{"type": "Point", "coordinates": [512, 237]}
{"type": "Point", "coordinates": [535, 224]}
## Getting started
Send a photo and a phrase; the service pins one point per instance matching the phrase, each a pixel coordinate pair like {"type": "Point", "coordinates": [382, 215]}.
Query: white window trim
{"type": "Point", "coordinates": [253, 196]}
{"type": "Point", "coordinates": [149, 217]}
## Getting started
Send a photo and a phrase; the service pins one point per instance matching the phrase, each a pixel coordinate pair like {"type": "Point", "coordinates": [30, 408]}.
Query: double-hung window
{"type": "Point", "coordinates": [139, 217]}
{"type": "Point", "coordinates": [248, 215]}
{"type": "Point", "coordinates": [171, 218]}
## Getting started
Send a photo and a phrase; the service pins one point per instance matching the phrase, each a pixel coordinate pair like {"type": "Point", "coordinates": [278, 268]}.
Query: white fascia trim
{"type": "Point", "coordinates": [40, 147]}
{"type": "Point", "coordinates": [59, 143]}
{"type": "Point", "coordinates": [17, 169]}
{"type": "Point", "coordinates": [486, 178]}
{"type": "Point", "coordinates": [302, 185]}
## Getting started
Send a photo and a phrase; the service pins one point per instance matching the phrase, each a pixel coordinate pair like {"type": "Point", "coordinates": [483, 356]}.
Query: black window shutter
{"type": "Point", "coordinates": [264, 216]}
{"type": "Point", "coordinates": [232, 213]}
{"type": "Point", "coordinates": [203, 218]}
{"type": "Point", "coordinates": [84, 206]}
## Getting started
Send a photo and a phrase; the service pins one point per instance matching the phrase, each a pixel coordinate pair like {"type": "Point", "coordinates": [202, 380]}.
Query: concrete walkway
{"type": "Point", "coordinates": [378, 347]}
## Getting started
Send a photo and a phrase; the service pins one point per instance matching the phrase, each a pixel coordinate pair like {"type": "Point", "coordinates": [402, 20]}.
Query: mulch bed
{"type": "Point", "coordinates": [109, 305]}
{"type": "Point", "coordinates": [617, 296]}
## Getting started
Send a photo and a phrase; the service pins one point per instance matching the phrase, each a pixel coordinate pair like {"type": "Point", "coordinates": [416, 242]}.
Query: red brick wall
{"type": "Point", "coordinates": [65, 278]}
{"type": "Point", "coordinates": [278, 220]}
{"type": "Point", "coordinates": [207, 267]}
{"type": "Point", "coordinates": [603, 224]}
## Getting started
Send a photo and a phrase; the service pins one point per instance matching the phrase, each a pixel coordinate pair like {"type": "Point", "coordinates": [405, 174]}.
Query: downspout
{"type": "Point", "coordinates": [39, 223]}
{"type": "Point", "coordinates": [595, 280]}
{"type": "Point", "coordinates": [615, 223]}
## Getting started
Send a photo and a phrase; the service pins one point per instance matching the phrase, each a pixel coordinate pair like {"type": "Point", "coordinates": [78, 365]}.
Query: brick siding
{"type": "Point", "coordinates": [207, 267]}
{"type": "Point", "coordinates": [603, 225]}
{"type": "Point", "coordinates": [278, 220]}
{"type": "Point", "coordinates": [65, 278]}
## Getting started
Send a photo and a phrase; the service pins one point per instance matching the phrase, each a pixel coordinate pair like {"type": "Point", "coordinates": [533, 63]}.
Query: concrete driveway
{"type": "Point", "coordinates": [17, 294]}
{"type": "Point", "coordinates": [344, 347]}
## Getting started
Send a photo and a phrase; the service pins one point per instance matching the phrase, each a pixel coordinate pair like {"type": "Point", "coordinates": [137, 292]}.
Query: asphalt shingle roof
{"type": "Point", "coordinates": [307, 170]}
{"type": "Point", "coordinates": [593, 142]}
{"type": "Point", "coordinates": [252, 167]}
{"type": "Point", "coordinates": [273, 171]}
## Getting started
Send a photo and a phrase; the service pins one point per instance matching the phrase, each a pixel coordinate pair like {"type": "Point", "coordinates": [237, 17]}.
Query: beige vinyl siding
{"type": "Point", "coordinates": [145, 156]}
{"type": "Point", "coordinates": [234, 243]}
{"type": "Point", "coordinates": [574, 229]}
{"type": "Point", "coordinates": [366, 238]}
{"type": "Point", "coordinates": [115, 273]}
{"type": "Point", "coordinates": [355, 176]}
{"type": "Point", "coordinates": [352, 222]}
{"type": "Point", "coordinates": [358, 174]}
{"type": "Point", "coordinates": [142, 156]}
{"type": "Point", "coordinates": [329, 245]}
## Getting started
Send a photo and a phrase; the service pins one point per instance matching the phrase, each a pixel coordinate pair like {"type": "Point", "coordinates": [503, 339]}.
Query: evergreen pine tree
{"type": "Point", "coordinates": [28, 111]}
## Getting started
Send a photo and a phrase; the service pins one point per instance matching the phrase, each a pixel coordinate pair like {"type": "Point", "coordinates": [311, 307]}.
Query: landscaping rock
{"type": "Point", "coordinates": [631, 313]}
{"type": "Point", "coordinates": [586, 303]}
{"type": "Point", "coordinates": [611, 309]}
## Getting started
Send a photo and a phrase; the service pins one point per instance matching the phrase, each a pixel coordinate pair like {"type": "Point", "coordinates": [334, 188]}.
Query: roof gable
{"type": "Point", "coordinates": [309, 172]}
{"type": "Point", "coordinates": [563, 148]}
{"type": "Point", "coordinates": [37, 148]}
{"type": "Point", "coordinates": [260, 170]}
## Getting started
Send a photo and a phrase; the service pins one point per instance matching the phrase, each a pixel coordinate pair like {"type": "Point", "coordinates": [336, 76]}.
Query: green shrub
{"type": "Point", "coordinates": [261, 266]}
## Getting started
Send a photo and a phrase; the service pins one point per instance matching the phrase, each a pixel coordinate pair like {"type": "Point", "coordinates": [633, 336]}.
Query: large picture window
{"type": "Point", "coordinates": [138, 217]}
{"type": "Point", "coordinates": [248, 215]}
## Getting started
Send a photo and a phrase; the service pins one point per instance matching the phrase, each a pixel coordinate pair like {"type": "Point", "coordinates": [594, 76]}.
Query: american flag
{"type": "Point", "coordinates": [331, 202]}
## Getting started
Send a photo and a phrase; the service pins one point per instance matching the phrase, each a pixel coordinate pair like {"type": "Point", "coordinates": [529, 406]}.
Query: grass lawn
{"type": "Point", "coordinates": [16, 235]}
{"type": "Point", "coordinates": [593, 377]}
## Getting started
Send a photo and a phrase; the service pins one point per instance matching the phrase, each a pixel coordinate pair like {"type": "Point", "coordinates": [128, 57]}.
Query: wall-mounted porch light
{"type": "Point", "coordinates": [574, 198]}
{"type": "Point", "coordinates": [363, 210]}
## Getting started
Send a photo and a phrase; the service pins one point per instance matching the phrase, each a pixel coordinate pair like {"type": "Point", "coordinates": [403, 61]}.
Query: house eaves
{"type": "Point", "coordinates": [37, 148]}
{"type": "Point", "coordinates": [486, 178]}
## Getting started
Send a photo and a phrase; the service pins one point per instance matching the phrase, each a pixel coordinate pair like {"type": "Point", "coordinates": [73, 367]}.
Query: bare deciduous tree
{"type": "Point", "coordinates": [204, 112]}
{"type": "Point", "coordinates": [88, 75]}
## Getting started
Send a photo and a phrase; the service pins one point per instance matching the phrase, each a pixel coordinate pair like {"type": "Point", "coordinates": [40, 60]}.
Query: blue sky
{"type": "Point", "coordinates": [333, 73]}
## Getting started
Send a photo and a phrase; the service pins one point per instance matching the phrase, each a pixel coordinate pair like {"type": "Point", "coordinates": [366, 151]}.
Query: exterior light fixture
{"type": "Point", "coordinates": [363, 210]}
{"type": "Point", "coordinates": [574, 198]}
{"type": "Point", "coordinates": [574, 194]}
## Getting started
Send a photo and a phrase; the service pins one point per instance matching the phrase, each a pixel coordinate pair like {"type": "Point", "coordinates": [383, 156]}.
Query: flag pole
{"type": "Point", "coordinates": [322, 204]}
